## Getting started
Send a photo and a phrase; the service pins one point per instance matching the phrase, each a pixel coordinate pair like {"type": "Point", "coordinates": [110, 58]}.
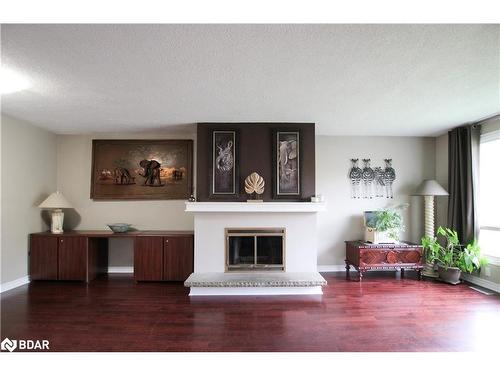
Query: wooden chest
{"type": "Point", "coordinates": [365, 256]}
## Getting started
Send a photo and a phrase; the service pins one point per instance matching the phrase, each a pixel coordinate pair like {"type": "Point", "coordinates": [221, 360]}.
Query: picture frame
{"type": "Point", "coordinates": [287, 164]}
{"type": "Point", "coordinates": [224, 164]}
{"type": "Point", "coordinates": [141, 169]}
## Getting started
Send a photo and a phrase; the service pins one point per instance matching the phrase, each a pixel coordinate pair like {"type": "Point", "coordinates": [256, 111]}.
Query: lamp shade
{"type": "Point", "coordinates": [55, 200]}
{"type": "Point", "coordinates": [430, 188]}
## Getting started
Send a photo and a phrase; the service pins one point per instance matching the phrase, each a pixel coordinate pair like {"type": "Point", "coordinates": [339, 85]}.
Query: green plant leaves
{"type": "Point", "coordinates": [431, 248]}
{"type": "Point", "coordinates": [453, 254]}
{"type": "Point", "coordinates": [388, 220]}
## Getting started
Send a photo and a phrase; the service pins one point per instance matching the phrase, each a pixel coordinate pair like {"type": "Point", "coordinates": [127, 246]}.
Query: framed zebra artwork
{"type": "Point", "coordinates": [224, 171]}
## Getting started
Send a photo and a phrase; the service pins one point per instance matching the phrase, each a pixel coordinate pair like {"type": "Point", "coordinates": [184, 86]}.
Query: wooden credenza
{"type": "Point", "coordinates": [167, 258]}
{"type": "Point", "coordinates": [82, 255]}
{"type": "Point", "coordinates": [365, 256]}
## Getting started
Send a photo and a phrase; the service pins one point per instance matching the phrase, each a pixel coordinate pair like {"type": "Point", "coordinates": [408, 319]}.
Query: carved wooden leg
{"type": "Point", "coordinates": [419, 274]}
{"type": "Point", "coordinates": [402, 272]}
{"type": "Point", "coordinates": [347, 269]}
{"type": "Point", "coordinates": [360, 272]}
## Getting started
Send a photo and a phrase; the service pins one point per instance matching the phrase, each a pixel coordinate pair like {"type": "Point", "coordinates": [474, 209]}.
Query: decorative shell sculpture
{"type": "Point", "coordinates": [254, 184]}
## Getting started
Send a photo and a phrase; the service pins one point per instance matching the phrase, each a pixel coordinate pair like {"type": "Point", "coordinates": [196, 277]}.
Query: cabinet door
{"type": "Point", "coordinates": [43, 258]}
{"type": "Point", "coordinates": [148, 258]}
{"type": "Point", "coordinates": [72, 258]}
{"type": "Point", "coordinates": [177, 258]}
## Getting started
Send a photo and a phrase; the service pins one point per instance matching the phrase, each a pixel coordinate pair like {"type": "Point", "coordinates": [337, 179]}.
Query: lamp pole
{"type": "Point", "coordinates": [429, 189]}
{"type": "Point", "coordinates": [428, 270]}
{"type": "Point", "coordinates": [429, 215]}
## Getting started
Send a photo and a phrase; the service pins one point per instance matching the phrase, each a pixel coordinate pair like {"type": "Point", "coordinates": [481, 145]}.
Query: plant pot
{"type": "Point", "coordinates": [376, 237]}
{"type": "Point", "coordinates": [450, 275]}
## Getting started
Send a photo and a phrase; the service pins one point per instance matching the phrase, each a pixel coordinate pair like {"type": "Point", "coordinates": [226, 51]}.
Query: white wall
{"type": "Point", "coordinates": [413, 160]}
{"type": "Point", "coordinates": [28, 177]}
{"type": "Point", "coordinates": [300, 241]}
{"type": "Point", "coordinates": [74, 159]}
{"type": "Point", "coordinates": [442, 178]}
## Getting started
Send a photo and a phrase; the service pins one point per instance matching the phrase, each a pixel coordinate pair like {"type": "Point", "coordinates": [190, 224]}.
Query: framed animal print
{"type": "Point", "coordinates": [142, 169]}
{"type": "Point", "coordinates": [224, 173]}
{"type": "Point", "coordinates": [287, 164]}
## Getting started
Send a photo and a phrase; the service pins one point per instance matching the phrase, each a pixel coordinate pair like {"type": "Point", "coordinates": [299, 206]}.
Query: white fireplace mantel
{"type": "Point", "coordinates": [255, 207]}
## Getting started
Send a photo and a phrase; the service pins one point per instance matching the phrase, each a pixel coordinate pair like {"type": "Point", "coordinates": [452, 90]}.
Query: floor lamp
{"type": "Point", "coordinates": [429, 189]}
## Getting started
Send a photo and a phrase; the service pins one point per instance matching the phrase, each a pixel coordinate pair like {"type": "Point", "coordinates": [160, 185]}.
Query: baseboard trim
{"type": "Point", "coordinates": [120, 269]}
{"type": "Point", "coordinates": [14, 284]}
{"type": "Point", "coordinates": [331, 268]}
{"type": "Point", "coordinates": [481, 282]}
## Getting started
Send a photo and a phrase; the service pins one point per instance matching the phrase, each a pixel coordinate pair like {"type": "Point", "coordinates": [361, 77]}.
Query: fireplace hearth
{"type": "Point", "coordinates": [255, 249]}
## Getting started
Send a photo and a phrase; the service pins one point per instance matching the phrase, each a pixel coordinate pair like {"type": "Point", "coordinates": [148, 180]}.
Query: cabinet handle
{"type": "Point", "coordinates": [166, 240]}
{"type": "Point", "coordinates": [62, 240]}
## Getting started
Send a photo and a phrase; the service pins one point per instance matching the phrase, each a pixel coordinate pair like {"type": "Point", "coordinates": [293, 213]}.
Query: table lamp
{"type": "Point", "coordinates": [429, 189]}
{"type": "Point", "coordinates": [56, 201]}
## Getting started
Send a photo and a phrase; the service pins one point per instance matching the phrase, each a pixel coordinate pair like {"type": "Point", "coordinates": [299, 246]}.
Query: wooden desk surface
{"type": "Point", "coordinates": [110, 234]}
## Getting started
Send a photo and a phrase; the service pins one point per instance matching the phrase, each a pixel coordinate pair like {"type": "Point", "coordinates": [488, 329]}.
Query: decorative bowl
{"type": "Point", "coordinates": [119, 227]}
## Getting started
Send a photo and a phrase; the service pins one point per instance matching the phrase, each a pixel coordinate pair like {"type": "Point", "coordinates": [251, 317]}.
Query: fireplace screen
{"type": "Point", "coordinates": [255, 249]}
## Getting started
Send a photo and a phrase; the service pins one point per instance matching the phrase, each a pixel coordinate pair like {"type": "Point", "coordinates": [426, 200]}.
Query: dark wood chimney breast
{"type": "Point", "coordinates": [255, 155]}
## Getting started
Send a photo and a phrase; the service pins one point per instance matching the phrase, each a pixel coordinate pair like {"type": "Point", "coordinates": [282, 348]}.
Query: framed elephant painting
{"type": "Point", "coordinates": [287, 164]}
{"type": "Point", "coordinates": [142, 169]}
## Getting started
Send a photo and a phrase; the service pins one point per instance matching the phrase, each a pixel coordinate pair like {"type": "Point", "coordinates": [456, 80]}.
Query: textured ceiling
{"type": "Point", "coordinates": [348, 79]}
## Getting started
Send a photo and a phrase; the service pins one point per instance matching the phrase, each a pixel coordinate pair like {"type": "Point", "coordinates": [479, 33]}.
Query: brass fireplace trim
{"type": "Point", "coordinates": [253, 232]}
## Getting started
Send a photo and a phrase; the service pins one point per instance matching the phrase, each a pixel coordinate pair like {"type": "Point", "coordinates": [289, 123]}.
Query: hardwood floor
{"type": "Point", "coordinates": [383, 313]}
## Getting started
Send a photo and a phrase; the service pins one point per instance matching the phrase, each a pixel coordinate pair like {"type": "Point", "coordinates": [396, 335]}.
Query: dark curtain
{"type": "Point", "coordinates": [463, 169]}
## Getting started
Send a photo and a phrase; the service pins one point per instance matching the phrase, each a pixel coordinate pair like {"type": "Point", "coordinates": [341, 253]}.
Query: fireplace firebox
{"type": "Point", "coordinates": [258, 249]}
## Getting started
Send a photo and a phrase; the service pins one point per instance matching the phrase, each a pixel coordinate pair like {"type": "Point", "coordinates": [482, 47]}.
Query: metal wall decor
{"type": "Point", "coordinates": [389, 177]}
{"type": "Point", "coordinates": [355, 175]}
{"type": "Point", "coordinates": [368, 182]}
{"type": "Point", "coordinates": [368, 177]}
{"type": "Point", "coordinates": [224, 166]}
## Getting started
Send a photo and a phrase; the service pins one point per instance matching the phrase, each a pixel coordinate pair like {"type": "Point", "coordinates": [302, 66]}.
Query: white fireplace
{"type": "Point", "coordinates": [216, 223]}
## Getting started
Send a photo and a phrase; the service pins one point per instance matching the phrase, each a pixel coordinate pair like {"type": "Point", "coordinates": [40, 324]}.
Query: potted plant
{"type": "Point", "coordinates": [385, 226]}
{"type": "Point", "coordinates": [431, 249]}
{"type": "Point", "coordinates": [453, 258]}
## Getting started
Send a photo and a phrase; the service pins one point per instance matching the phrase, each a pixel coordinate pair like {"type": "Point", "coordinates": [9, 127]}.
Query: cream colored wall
{"type": "Point", "coordinates": [28, 177]}
{"type": "Point", "coordinates": [74, 157]}
{"type": "Point", "coordinates": [64, 162]}
{"type": "Point", "coordinates": [413, 160]}
{"type": "Point", "coordinates": [442, 177]}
